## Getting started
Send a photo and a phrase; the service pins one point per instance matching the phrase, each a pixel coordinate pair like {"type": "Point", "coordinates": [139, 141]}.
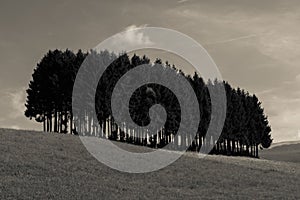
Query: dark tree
{"type": "Point", "coordinates": [49, 101]}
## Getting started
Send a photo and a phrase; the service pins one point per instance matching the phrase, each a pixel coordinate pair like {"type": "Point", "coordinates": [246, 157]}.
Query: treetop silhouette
{"type": "Point", "coordinates": [49, 101]}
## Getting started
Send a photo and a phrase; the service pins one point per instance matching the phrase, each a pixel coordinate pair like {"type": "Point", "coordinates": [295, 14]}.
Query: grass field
{"type": "Point", "coordinates": [56, 166]}
{"type": "Point", "coordinates": [285, 152]}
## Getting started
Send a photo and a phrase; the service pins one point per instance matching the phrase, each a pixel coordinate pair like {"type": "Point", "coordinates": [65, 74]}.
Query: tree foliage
{"type": "Point", "coordinates": [49, 101]}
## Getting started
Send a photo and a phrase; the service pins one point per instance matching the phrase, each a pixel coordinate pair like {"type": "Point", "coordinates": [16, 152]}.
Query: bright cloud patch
{"type": "Point", "coordinates": [131, 37]}
{"type": "Point", "coordinates": [18, 102]}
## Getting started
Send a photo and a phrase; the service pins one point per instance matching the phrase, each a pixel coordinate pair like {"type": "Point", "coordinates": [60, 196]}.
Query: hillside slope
{"type": "Point", "coordinates": [284, 152]}
{"type": "Point", "coordinates": [56, 166]}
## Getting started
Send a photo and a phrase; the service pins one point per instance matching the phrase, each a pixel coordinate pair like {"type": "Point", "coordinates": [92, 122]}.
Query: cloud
{"type": "Point", "coordinates": [134, 36]}
{"type": "Point", "coordinates": [18, 100]}
{"type": "Point", "coordinates": [298, 78]}
{"type": "Point", "coordinates": [13, 102]}
{"type": "Point", "coordinates": [182, 1]}
{"type": "Point", "coordinates": [186, 13]}
{"type": "Point", "coordinates": [12, 107]}
{"type": "Point", "coordinates": [281, 46]}
{"type": "Point", "coordinates": [282, 104]}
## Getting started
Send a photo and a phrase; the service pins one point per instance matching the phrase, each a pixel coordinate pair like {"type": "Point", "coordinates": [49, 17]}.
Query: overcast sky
{"type": "Point", "coordinates": [255, 43]}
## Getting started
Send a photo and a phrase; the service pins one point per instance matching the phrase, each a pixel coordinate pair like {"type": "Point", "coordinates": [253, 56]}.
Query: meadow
{"type": "Point", "coordinates": [57, 166]}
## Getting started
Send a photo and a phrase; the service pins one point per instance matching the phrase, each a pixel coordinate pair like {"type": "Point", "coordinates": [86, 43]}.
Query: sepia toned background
{"type": "Point", "coordinates": [256, 45]}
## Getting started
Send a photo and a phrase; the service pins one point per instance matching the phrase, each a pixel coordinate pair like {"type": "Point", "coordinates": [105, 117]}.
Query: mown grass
{"type": "Point", "coordinates": [57, 166]}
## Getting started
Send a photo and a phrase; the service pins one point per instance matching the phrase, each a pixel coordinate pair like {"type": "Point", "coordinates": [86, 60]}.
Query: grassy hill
{"type": "Point", "coordinates": [289, 152]}
{"type": "Point", "coordinates": [56, 166]}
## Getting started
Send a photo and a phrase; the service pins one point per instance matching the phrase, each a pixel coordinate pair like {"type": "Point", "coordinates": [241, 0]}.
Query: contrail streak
{"type": "Point", "coordinates": [233, 39]}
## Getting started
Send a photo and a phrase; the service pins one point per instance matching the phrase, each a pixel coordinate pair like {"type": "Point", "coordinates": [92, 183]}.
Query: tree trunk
{"type": "Point", "coordinates": [66, 122]}
{"type": "Point", "coordinates": [233, 146]}
{"type": "Point", "coordinates": [104, 128]}
{"type": "Point", "coordinates": [218, 147]}
{"type": "Point", "coordinates": [44, 124]}
{"type": "Point", "coordinates": [256, 151]}
{"type": "Point", "coordinates": [71, 122]}
{"type": "Point", "coordinates": [247, 147]}
{"type": "Point", "coordinates": [47, 121]}
{"type": "Point", "coordinates": [60, 122]}
{"type": "Point", "coordinates": [50, 123]}
{"type": "Point", "coordinates": [241, 148]}
{"type": "Point", "coordinates": [55, 121]}
{"type": "Point", "coordinates": [228, 147]}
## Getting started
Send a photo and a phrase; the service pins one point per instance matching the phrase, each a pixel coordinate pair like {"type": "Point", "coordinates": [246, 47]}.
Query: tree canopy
{"type": "Point", "coordinates": [49, 101]}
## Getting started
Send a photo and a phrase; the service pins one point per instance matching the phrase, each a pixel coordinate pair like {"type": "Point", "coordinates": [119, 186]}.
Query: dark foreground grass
{"type": "Point", "coordinates": [55, 166]}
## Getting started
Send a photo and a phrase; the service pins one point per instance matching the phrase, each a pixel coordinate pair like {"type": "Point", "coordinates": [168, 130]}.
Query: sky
{"type": "Point", "coordinates": [255, 44]}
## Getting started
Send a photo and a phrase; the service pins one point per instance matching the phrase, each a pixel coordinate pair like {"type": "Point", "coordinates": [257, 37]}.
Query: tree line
{"type": "Point", "coordinates": [49, 101]}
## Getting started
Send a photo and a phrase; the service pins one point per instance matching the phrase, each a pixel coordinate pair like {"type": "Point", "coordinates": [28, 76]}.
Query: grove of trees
{"type": "Point", "coordinates": [49, 101]}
